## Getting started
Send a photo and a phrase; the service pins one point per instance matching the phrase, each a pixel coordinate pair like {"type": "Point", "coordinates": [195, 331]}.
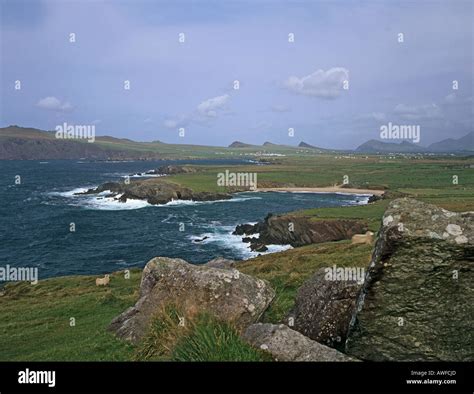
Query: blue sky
{"type": "Point", "coordinates": [283, 84]}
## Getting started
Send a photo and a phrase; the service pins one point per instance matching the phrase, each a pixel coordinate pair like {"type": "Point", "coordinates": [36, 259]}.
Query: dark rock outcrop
{"type": "Point", "coordinates": [285, 344]}
{"type": "Point", "coordinates": [155, 191]}
{"type": "Point", "coordinates": [258, 247]}
{"type": "Point", "coordinates": [298, 230]}
{"type": "Point", "coordinates": [417, 301]}
{"type": "Point", "coordinates": [374, 198]}
{"type": "Point", "coordinates": [238, 144]}
{"type": "Point", "coordinates": [221, 262]}
{"type": "Point", "coordinates": [227, 294]}
{"type": "Point", "coordinates": [172, 170]}
{"type": "Point", "coordinates": [324, 307]}
{"type": "Point", "coordinates": [247, 229]}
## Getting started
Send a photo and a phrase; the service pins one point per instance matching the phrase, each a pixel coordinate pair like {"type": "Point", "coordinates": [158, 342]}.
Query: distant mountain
{"type": "Point", "coordinates": [463, 144]}
{"type": "Point", "coordinates": [450, 145]}
{"type": "Point", "coordinates": [238, 144]}
{"type": "Point", "coordinates": [27, 143]}
{"type": "Point", "coordinates": [303, 144]}
{"type": "Point", "coordinates": [317, 149]}
{"type": "Point", "coordinates": [23, 143]}
{"type": "Point", "coordinates": [375, 146]}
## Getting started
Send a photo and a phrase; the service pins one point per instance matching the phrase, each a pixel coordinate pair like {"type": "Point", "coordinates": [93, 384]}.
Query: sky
{"type": "Point", "coordinates": [329, 73]}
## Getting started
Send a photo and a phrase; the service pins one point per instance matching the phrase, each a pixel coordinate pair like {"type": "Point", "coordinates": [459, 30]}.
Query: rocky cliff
{"type": "Point", "coordinates": [155, 191]}
{"type": "Point", "coordinates": [298, 231]}
{"type": "Point", "coordinates": [417, 300]}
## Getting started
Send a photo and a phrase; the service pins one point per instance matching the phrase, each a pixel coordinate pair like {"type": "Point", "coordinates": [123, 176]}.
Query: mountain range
{"type": "Point", "coordinates": [22, 143]}
{"type": "Point", "coordinates": [450, 145]}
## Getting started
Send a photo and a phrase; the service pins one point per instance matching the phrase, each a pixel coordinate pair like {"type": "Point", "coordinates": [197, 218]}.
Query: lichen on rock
{"type": "Point", "coordinates": [417, 301]}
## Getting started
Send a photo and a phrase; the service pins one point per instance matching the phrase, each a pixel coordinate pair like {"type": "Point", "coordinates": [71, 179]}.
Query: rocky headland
{"type": "Point", "coordinates": [297, 231]}
{"type": "Point", "coordinates": [156, 190]}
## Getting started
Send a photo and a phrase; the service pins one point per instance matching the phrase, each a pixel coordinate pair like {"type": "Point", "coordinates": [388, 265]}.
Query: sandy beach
{"type": "Point", "coordinates": [328, 189]}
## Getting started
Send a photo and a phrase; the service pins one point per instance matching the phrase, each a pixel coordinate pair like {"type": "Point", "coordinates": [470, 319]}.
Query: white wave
{"type": "Point", "coordinates": [73, 192]}
{"type": "Point", "coordinates": [124, 263]}
{"type": "Point", "coordinates": [224, 238]}
{"type": "Point", "coordinates": [193, 202]}
{"type": "Point", "coordinates": [354, 194]}
{"type": "Point", "coordinates": [100, 201]}
{"type": "Point", "coordinates": [362, 201]}
{"type": "Point", "coordinates": [143, 175]}
{"type": "Point", "coordinates": [112, 203]}
{"type": "Point", "coordinates": [168, 218]}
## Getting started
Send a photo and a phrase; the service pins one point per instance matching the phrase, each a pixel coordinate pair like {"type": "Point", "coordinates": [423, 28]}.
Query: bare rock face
{"type": "Point", "coordinates": [172, 170]}
{"type": "Point", "coordinates": [417, 301]}
{"type": "Point", "coordinates": [299, 230]}
{"type": "Point", "coordinates": [221, 262]}
{"type": "Point", "coordinates": [285, 344]}
{"type": "Point", "coordinates": [324, 307]}
{"type": "Point", "coordinates": [227, 294]}
{"type": "Point", "coordinates": [155, 191]}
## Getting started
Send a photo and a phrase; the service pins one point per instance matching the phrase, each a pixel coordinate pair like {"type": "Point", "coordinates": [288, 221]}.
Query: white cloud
{"type": "Point", "coordinates": [454, 99]}
{"type": "Point", "coordinates": [176, 122]}
{"type": "Point", "coordinates": [210, 107]}
{"type": "Point", "coordinates": [324, 84]}
{"type": "Point", "coordinates": [418, 112]}
{"type": "Point", "coordinates": [205, 112]}
{"type": "Point", "coordinates": [450, 98]}
{"type": "Point", "coordinates": [52, 103]}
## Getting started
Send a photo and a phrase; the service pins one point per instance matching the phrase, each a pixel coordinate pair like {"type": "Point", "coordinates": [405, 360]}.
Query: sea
{"type": "Point", "coordinates": [44, 224]}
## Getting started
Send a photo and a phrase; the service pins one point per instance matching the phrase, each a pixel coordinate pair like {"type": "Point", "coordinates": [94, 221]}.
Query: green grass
{"type": "Point", "coordinates": [370, 213]}
{"type": "Point", "coordinates": [211, 340]}
{"type": "Point", "coordinates": [429, 179]}
{"type": "Point", "coordinates": [287, 271]}
{"type": "Point", "coordinates": [35, 320]}
{"type": "Point", "coordinates": [200, 338]}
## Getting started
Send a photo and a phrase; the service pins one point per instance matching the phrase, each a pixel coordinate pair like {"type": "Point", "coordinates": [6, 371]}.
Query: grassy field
{"type": "Point", "coordinates": [427, 179]}
{"type": "Point", "coordinates": [35, 321]}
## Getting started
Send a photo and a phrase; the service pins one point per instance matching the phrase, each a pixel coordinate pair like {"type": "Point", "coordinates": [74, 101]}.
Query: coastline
{"type": "Point", "coordinates": [326, 189]}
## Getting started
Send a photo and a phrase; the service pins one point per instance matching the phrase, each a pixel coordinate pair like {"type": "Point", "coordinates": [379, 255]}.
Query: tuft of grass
{"type": "Point", "coordinates": [211, 340]}
{"type": "Point", "coordinates": [165, 331]}
{"type": "Point", "coordinates": [201, 338]}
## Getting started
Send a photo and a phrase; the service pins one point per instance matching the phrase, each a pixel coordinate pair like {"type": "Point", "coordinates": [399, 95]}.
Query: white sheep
{"type": "Point", "coordinates": [366, 238]}
{"type": "Point", "coordinates": [102, 281]}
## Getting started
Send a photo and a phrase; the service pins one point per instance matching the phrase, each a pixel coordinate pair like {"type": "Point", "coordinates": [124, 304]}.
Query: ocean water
{"type": "Point", "coordinates": [36, 217]}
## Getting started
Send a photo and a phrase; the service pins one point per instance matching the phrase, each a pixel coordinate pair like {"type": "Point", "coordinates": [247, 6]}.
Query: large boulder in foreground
{"type": "Point", "coordinates": [417, 301]}
{"type": "Point", "coordinates": [285, 344]}
{"type": "Point", "coordinates": [325, 304]}
{"type": "Point", "coordinates": [227, 294]}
